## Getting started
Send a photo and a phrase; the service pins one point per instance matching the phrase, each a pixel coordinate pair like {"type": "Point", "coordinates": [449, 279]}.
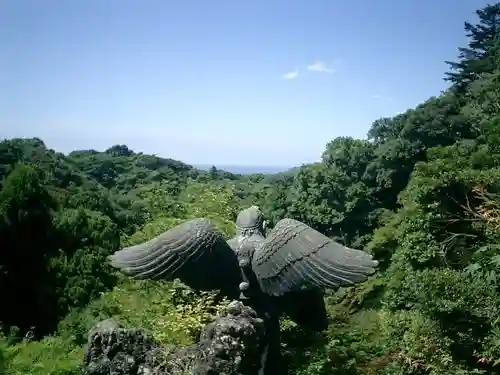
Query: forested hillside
{"type": "Point", "coordinates": [421, 193]}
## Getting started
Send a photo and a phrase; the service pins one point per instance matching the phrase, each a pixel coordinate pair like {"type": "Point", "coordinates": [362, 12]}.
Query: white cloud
{"type": "Point", "coordinates": [321, 67]}
{"type": "Point", "coordinates": [291, 75]}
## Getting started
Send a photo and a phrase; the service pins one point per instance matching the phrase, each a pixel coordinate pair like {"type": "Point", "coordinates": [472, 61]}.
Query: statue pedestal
{"type": "Point", "coordinates": [232, 344]}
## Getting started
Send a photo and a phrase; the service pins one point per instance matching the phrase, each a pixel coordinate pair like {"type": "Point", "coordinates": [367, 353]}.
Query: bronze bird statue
{"type": "Point", "coordinates": [286, 272]}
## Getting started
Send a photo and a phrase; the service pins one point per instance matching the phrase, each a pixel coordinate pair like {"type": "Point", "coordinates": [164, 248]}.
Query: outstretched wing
{"type": "Point", "coordinates": [194, 251]}
{"type": "Point", "coordinates": [296, 257]}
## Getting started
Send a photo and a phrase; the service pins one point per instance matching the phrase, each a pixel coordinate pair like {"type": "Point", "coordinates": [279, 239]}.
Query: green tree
{"type": "Point", "coordinates": [27, 238]}
{"type": "Point", "coordinates": [479, 56]}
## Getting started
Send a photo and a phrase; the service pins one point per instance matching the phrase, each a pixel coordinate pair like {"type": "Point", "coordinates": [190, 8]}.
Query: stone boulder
{"type": "Point", "coordinates": [231, 345]}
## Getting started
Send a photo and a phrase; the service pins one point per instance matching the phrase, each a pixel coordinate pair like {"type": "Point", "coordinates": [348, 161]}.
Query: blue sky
{"type": "Point", "coordinates": [261, 82]}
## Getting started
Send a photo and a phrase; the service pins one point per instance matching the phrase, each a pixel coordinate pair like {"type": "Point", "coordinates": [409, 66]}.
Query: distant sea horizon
{"type": "Point", "coordinates": [245, 169]}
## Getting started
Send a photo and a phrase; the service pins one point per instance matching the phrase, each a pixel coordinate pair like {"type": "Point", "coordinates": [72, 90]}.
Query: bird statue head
{"type": "Point", "coordinates": [250, 220]}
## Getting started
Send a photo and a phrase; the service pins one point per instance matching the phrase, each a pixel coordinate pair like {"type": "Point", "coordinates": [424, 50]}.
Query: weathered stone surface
{"type": "Point", "coordinates": [230, 345]}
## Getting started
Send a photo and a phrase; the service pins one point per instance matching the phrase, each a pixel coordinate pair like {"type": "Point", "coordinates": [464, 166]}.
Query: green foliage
{"type": "Point", "coordinates": [481, 54]}
{"type": "Point", "coordinates": [169, 310]}
{"type": "Point", "coordinates": [121, 169]}
{"type": "Point", "coordinates": [50, 356]}
{"type": "Point", "coordinates": [26, 235]}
